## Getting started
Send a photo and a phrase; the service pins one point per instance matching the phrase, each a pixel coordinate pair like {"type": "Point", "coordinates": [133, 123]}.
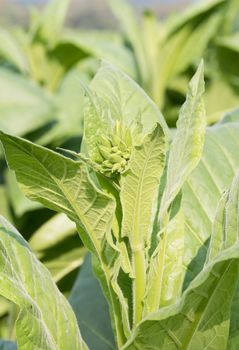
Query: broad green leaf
{"type": "Point", "coordinates": [186, 149]}
{"type": "Point", "coordinates": [11, 50]}
{"type": "Point", "coordinates": [183, 43]}
{"type": "Point", "coordinates": [48, 25]}
{"type": "Point", "coordinates": [91, 309]}
{"type": "Point", "coordinates": [139, 193]}
{"type": "Point", "coordinates": [230, 42]}
{"type": "Point", "coordinates": [69, 101]}
{"type": "Point", "coordinates": [131, 27]}
{"type": "Point", "coordinates": [201, 194]}
{"type": "Point", "coordinates": [203, 190]}
{"type": "Point", "coordinates": [125, 99]}
{"type": "Point", "coordinates": [165, 282]}
{"type": "Point", "coordinates": [231, 116]}
{"type": "Point", "coordinates": [86, 69]}
{"type": "Point", "coordinates": [201, 319]}
{"type": "Point", "coordinates": [233, 341]}
{"type": "Point", "coordinates": [227, 55]}
{"type": "Point", "coordinates": [103, 45]}
{"type": "Point", "coordinates": [197, 25]}
{"type": "Point", "coordinates": [58, 246]}
{"type": "Point", "coordinates": [52, 232]}
{"type": "Point", "coordinates": [119, 98]}
{"type": "Point", "coordinates": [19, 202]}
{"type": "Point", "coordinates": [63, 185]}
{"type": "Point", "coordinates": [152, 35]}
{"type": "Point", "coordinates": [64, 259]}
{"type": "Point", "coordinates": [24, 107]}
{"type": "Point", "coordinates": [192, 12]}
{"type": "Point", "coordinates": [7, 345]}
{"type": "Point", "coordinates": [230, 22]}
{"type": "Point", "coordinates": [48, 67]}
{"type": "Point", "coordinates": [45, 320]}
{"type": "Point", "coordinates": [215, 107]}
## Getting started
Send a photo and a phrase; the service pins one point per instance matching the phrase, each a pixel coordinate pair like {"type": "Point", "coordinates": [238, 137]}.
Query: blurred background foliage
{"type": "Point", "coordinates": [87, 14]}
{"type": "Point", "coordinates": [48, 55]}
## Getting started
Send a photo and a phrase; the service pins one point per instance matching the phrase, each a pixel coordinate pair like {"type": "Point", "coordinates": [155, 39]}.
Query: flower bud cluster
{"type": "Point", "coordinates": [115, 149]}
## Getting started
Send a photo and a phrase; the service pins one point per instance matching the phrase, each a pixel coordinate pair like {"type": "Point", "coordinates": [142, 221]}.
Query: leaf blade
{"type": "Point", "coordinates": [185, 151]}
{"type": "Point", "coordinates": [44, 322]}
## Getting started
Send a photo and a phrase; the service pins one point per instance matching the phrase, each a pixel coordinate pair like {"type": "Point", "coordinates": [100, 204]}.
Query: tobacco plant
{"type": "Point", "coordinates": [124, 192]}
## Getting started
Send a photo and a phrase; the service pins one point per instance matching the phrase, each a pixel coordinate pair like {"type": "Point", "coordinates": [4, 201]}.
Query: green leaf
{"type": "Point", "coordinates": [233, 341]}
{"type": "Point", "coordinates": [24, 107]}
{"type": "Point", "coordinates": [11, 50]}
{"type": "Point", "coordinates": [201, 319]}
{"type": "Point", "coordinates": [227, 55]}
{"type": "Point", "coordinates": [165, 280]}
{"type": "Point", "coordinates": [120, 98]}
{"type": "Point", "coordinates": [58, 246]}
{"type": "Point", "coordinates": [186, 149]}
{"type": "Point", "coordinates": [216, 108]}
{"type": "Point", "coordinates": [68, 101]}
{"type": "Point", "coordinates": [52, 232]}
{"type": "Point", "coordinates": [48, 24]}
{"type": "Point", "coordinates": [125, 99]}
{"type": "Point", "coordinates": [91, 309]}
{"type": "Point", "coordinates": [201, 194]}
{"type": "Point", "coordinates": [197, 25]}
{"type": "Point", "coordinates": [45, 320]}
{"type": "Point", "coordinates": [194, 11]}
{"type": "Point", "coordinates": [20, 204]}
{"type": "Point", "coordinates": [139, 193]}
{"type": "Point", "coordinates": [63, 185]}
{"type": "Point", "coordinates": [203, 190]}
{"type": "Point", "coordinates": [131, 27]}
{"type": "Point", "coordinates": [103, 45]}
{"type": "Point", "coordinates": [231, 116]}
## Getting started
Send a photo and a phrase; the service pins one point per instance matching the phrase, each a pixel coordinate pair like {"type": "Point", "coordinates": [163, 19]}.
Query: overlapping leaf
{"type": "Point", "coordinates": [64, 185]}
{"type": "Point", "coordinates": [24, 107]}
{"type": "Point", "coordinates": [185, 152]}
{"type": "Point", "coordinates": [139, 193]}
{"type": "Point", "coordinates": [200, 320]}
{"type": "Point", "coordinates": [187, 146]}
{"type": "Point", "coordinates": [45, 320]}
